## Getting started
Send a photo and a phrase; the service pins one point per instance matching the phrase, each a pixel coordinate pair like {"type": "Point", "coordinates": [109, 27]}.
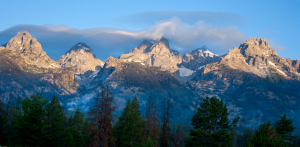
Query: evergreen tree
{"type": "Point", "coordinates": [13, 140]}
{"type": "Point", "coordinates": [54, 121]}
{"type": "Point", "coordinates": [3, 120]}
{"type": "Point", "coordinates": [285, 129]}
{"type": "Point", "coordinates": [128, 130]}
{"type": "Point", "coordinates": [166, 115]}
{"type": "Point", "coordinates": [266, 136]}
{"type": "Point", "coordinates": [30, 125]}
{"type": "Point", "coordinates": [151, 123]}
{"type": "Point", "coordinates": [244, 137]}
{"type": "Point", "coordinates": [100, 117]}
{"type": "Point", "coordinates": [77, 121]}
{"type": "Point", "coordinates": [149, 142]}
{"type": "Point", "coordinates": [119, 134]}
{"type": "Point", "coordinates": [77, 136]}
{"type": "Point", "coordinates": [69, 141]}
{"type": "Point", "coordinates": [211, 125]}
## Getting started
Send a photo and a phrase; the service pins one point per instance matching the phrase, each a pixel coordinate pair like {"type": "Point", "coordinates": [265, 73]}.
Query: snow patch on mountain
{"type": "Point", "coordinates": [85, 48]}
{"type": "Point", "coordinates": [77, 77]}
{"type": "Point", "coordinates": [201, 67]}
{"type": "Point", "coordinates": [94, 74]}
{"type": "Point", "coordinates": [281, 72]}
{"type": "Point", "coordinates": [184, 72]}
{"type": "Point", "coordinates": [271, 63]}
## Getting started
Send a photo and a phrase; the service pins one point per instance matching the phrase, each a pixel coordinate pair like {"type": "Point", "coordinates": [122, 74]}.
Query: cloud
{"type": "Point", "coordinates": [105, 42]}
{"type": "Point", "coordinates": [189, 17]}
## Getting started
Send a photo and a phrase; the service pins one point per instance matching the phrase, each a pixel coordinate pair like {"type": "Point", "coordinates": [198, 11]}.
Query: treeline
{"type": "Point", "coordinates": [37, 122]}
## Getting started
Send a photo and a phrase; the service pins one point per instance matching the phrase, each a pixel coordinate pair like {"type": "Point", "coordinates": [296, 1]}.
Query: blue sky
{"type": "Point", "coordinates": [115, 27]}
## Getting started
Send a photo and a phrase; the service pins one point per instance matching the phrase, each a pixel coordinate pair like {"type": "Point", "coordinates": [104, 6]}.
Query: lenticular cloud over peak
{"type": "Point", "coordinates": [113, 41]}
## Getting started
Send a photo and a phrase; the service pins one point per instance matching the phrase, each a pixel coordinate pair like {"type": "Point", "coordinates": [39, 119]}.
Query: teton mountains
{"type": "Point", "coordinates": [252, 79]}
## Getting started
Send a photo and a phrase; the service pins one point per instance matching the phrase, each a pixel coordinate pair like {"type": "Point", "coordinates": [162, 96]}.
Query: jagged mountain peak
{"type": "Point", "coordinates": [81, 46]}
{"type": "Point", "coordinates": [154, 53]}
{"type": "Point", "coordinates": [256, 47]}
{"type": "Point", "coordinates": [81, 57]}
{"type": "Point", "coordinates": [30, 50]}
{"type": "Point", "coordinates": [203, 51]}
{"type": "Point", "coordinates": [147, 45]}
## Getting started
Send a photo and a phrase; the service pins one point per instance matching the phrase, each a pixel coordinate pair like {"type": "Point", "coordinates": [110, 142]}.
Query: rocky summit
{"type": "Point", "coordinates": [154, 53]}
{"type": "Point", "coordinates": [253, 80]}
{"type": "Point", "coordinates": [31, 50]}
{"type": "Point", "coordinates": [81, 58]}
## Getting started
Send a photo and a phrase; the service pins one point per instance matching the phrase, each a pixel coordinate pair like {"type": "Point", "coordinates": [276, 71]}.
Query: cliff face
{"type": "Point", "coordinates": [81, 58]}
{"type": "Point", "coordinates": [154, 53]}
{"type": "Point", "coordinates": [25, 69]}
{"type": "Point", "coordinates": [30, 50]}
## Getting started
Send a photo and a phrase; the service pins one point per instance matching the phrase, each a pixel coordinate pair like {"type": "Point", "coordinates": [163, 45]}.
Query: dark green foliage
{"type": "Point", "coordinates": [54, 121]}
{"type": "Point", "coordinates": [241, 139]}
{"type": "Point", "coordinates": [69, 141]}
{"type": "Point", "coordinates": [128, 130]}
{"type": "Point", "coordinates": [266, 136]}
{"type": "Point", "coordinates": [285, 129]}
{"type": "Point", "coordinates": [77, 136]}
{"type": "Point", "coordinates": [77, 121]}
{"type": "Point", "coordinates": [149, 143]}
{"type": "Point", "coordinates": [211, 125]}
{"type": "Point", "coordinates": [77, 127]}
{"type": "Point", "coordinates": [30, 126]}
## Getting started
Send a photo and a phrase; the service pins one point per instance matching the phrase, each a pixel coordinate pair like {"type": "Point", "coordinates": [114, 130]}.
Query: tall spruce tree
{"type": "Point", "coordinates": [151, 123]}
{"type": "Point", "coordinates": [128, 130]}
{"type": "Point", "coordinates": [54, 121]}
{"type": "Point", "coordinates": [265, 136]}
{"type": "Point", "coordinates": [166, 114]}
{"type": "Point", "coordinates": [211, 125]}
{"type": "Point", "coordinates": [149, 143]}
{"type": "Point", "coordinates": [30, 125]}
{"type": "Point", "coordinates": [284, 127]}
{"type": "Point", "coordinates": [101, 119]}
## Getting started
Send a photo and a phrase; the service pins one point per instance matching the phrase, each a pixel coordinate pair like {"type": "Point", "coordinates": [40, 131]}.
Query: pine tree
{"type": "Point", "coordinates": [211, 125]}
{"type": "Point", "coordinates": [119, 134]}
{"type": "Point", "coordinates": [30, 125]}
{"type": "Point", "coordinates": [166, 115]}
{"type": "Point", "coordinates": [266, 136]}
{"type": "Point", "coordinates": [149, 143]}
{"type": "Point", "coordinates": [77, 136]}
{"type": "Point", "coordinates": [69, 141]}
{"type": "Point", "coordinates": [54, 120]}
{"type": "Point", "coordinates": [77, 121]}
{"type": "Point", "coordinates": [100, 117]}
{"type": "Point", "coordinates": [285, 129]}
{"type": "Point", "coordinates": [13, 140]}
{"type": "Point", "coordinates": [128, 130]}
{"type": "Point", "coordinates": [151, 123]}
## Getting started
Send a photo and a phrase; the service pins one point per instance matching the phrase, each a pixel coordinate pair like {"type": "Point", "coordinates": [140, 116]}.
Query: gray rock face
{"type": "Point", "coordinates": [80, 58]}
{"type": "Point", "coordinates": [31, 50]}
{"type": "Point", "coordinates": [154, 53]}
{"type": "Point", "coordinates": [198, 58]}
{"type": "Point", "coordinates": [192, 62]}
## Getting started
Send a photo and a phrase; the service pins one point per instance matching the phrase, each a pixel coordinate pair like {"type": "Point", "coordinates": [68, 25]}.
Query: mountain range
{"type": "Point", "coordinates": [253, 80]}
